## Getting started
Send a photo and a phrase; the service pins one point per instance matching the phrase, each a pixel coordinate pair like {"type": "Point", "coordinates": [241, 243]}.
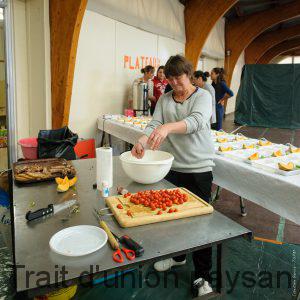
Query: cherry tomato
{"type": "Point", "coordinates": [119, 206]}
{"type": "Point", "coordinates": [159, 212]}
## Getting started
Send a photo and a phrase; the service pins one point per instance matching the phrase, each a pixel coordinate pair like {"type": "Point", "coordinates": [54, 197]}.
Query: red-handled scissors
{"type": "Point", "coordinates": [117, 255]}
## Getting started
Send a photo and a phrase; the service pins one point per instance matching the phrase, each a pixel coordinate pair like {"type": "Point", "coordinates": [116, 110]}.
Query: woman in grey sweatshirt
{"type": "Point", "coordinates": [181, 126]}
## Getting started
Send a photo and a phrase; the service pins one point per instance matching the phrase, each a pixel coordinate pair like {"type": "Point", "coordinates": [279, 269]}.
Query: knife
{"type": "Point", "coordinates": [50, 209]}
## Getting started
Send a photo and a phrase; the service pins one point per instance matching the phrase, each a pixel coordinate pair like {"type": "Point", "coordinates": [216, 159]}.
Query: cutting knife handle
{"type": "Point", "coordinates": [32, 215]}
{"type": "Point", "coordinates": [113, 242]}
{"type": "Point", "coordinates": [133, 245]}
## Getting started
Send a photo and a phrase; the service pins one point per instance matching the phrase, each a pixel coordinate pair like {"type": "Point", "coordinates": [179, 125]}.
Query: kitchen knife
{"type": "Point", "coordinates": [51, 209]}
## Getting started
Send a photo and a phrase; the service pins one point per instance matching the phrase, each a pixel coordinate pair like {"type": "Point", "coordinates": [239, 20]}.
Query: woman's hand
{"type": "Point", "coordinates": [222, 102]}
{"type": "Point", "coordinates": [138, 150]}
{"type": "Point", "coordinates": [152, 99]}
{"type": "Point", "coordinates": [158, 136]}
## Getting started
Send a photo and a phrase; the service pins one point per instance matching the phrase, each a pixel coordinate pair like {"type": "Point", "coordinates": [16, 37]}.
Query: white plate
{"type": "Point", "coordinates": [78, 240]}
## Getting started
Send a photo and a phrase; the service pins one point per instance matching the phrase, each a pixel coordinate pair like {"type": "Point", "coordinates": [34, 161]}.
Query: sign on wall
{"type": "Point", "coordinates": [138, 62]}
{"type": "Point", "coordinates": [107, 63]}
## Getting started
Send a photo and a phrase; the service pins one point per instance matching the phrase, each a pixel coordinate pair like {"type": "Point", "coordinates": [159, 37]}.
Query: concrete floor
{"type": "Point", "coordinates": [275, 249]}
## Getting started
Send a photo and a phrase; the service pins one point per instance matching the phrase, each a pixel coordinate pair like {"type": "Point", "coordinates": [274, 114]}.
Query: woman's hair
{"type": "Point", "coordinates": [178, 65]}
{"type": "Point", "coordinates": [203, 75]}
{"type": "Point", "coordinates": [221, 73]}
{"type": "Point", "coordinates": [147, 69]}
{"type": "Point", "coordinates": [160, 68]}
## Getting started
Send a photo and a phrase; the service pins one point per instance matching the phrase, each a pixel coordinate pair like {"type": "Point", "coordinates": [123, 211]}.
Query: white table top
{"type": "Point", "coordinates": [277, 193]}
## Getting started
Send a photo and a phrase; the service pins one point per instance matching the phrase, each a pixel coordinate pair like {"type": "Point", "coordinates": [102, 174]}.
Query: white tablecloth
{"type": "Point", "coordinates": [277, 193]}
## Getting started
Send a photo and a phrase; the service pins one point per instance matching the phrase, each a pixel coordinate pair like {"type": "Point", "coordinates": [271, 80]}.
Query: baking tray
{"type": "Point", "coordinates": [29, 171]}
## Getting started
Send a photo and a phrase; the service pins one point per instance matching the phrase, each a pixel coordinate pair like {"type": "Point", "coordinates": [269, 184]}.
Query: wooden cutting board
{"type": "Point", "coordinates": [142, 215]}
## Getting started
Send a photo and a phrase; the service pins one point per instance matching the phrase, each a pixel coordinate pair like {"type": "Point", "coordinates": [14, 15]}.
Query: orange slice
{"type": "Point", "coordinates": [220, 140]}
{"type": "Point", "coordinates": [72, 181]}
{"type": "Point", "coordinates": [286, 167]}
{"type": "Point", "coordinates": [254, 156]}
{"type": "Point", "coordinates": [59, 180]}
{"type": "Point", "coordinates": [294, 149]}
{"type": "Point", "coordinates": [224, 149]}
{"type": "Point", "coordinates": [240, 138]}
{"type": "Point", "coordinates": [220, 133]}
{"type": "Point", "coordinates": [277, 153]}
{"type": "Point", "coordinates": [264, 143]}
{"type": "Point", "coordinates": [64, 185]}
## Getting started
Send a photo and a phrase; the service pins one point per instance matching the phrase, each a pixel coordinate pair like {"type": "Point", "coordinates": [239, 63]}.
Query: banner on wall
{"type": "Point", "coordinates": [133, 62]}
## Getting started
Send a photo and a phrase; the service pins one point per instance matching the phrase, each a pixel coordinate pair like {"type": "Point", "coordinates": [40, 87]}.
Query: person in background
{"type": "Point", "coordinates": [181, 126]}
{"type": "Point", "coordinates": [200, 80]}
{"type": "Point", "coordinates": [223, 92]}
{"type": "Point", "coordinates": [148, 72]}
{"type": "Point", "coordinates": [159, 85]}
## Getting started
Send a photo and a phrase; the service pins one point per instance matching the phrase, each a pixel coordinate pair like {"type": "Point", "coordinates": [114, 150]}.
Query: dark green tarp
{"type": "Point", "coordinates": [269, 96]}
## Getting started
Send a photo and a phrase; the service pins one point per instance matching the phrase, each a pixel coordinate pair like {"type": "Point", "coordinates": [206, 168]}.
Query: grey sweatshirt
{"type": "Point", "coordinates": [193, 151]}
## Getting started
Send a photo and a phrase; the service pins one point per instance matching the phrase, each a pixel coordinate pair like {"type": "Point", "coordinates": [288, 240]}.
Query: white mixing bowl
{"type": "Point", "coordinates": [153, 167]}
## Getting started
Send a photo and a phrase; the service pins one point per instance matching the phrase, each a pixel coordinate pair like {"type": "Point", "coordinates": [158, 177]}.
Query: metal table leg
{"type": "Point", "coordinates": [220, 274]}
{"type": "Point", "coordinates": [216, 196]}
{"type": "Point", "coordinates": [109, 140]}
{"type": "Point", "coordinates": [243, 207]}
{"type": "Point", "coordinates": [102, 139]}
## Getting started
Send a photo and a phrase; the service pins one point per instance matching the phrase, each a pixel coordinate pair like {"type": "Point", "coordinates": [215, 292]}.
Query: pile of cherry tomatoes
{"type": "Point", "coordinates": [161, 199]}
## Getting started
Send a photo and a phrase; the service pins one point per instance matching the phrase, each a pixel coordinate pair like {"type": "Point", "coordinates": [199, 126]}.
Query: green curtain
{"type": "Point", "coordinates": [269, 96]}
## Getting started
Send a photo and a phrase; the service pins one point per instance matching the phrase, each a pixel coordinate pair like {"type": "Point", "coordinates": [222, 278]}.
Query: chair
{"type": "Point", "coordinates": [85, 149]}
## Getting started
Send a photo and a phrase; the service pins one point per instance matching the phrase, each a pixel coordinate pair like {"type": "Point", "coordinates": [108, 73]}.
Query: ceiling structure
{"type": "Point", "coordinates": [249, 23]}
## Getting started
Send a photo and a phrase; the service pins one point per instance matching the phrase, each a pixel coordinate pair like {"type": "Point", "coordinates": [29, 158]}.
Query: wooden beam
{"type": "Point", "coordinates": [256, 3]}
{"type": "Point", "coordinates": [279, 49]}
{"type": "Point", "coordinates": [295, 52]}
{"type": "Point", "coordinates": [239, 10]}
{"type": "Point", "coordinates": [200, 17]}
{"type": "Point", "coordinates": [239, 33]}
{"type": "Point", "coordinates": [65, 23]}
{"type": "Point", "coordinates": [267, 40]}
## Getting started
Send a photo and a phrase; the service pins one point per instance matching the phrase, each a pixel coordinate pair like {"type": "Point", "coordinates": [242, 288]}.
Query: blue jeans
{"type": "Point", "coordinates": [219, 114]}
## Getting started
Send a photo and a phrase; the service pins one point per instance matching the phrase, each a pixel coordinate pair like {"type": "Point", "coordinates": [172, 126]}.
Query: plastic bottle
{"type": "Point", "coordinates": [105, 189]}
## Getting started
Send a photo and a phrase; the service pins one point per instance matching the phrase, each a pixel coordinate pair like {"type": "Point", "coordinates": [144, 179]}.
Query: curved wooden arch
{"type": "Point", "coordinates": [65, 23]}
{"type": "Point", "coordinates": [279, 49]}
{"type": "Point", "coordinates": [239, 33]}
{"type": "Point", "coordinates": [293, 52]}
{"type": "Point", "coordinates": [267, 40]}
{"type": "Point", "coordinates": [200, 17]}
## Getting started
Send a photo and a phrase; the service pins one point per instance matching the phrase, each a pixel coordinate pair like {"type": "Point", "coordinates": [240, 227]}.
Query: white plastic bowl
{"type": "Point", "coordinates": [153, 167]}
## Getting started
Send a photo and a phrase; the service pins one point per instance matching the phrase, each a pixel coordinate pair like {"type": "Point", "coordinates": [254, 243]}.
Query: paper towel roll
{"type": "Point", "coordinates": [104, 171]}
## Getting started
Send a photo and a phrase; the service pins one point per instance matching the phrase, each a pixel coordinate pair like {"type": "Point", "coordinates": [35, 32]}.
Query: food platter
{"type": "Point", "coordinates": [29, 171]}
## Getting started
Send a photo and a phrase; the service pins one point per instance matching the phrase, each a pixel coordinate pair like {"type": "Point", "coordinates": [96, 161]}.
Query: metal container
{"type": "Point", "coordinates": [140, 96]}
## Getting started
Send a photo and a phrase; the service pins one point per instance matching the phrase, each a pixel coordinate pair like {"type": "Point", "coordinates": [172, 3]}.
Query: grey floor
{"type": "Point", "coordinates": [266, 268]}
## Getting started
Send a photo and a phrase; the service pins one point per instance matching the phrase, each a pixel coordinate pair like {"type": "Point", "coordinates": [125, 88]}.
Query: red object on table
{"type": "Point", "coordinates": [118, 257]}
{"type": "Point", "coordinates": [29, 147]}
{"type": "Point", "coordinates": [129, 112]}
{"type": "Point", "coordinates": [85, 149]}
